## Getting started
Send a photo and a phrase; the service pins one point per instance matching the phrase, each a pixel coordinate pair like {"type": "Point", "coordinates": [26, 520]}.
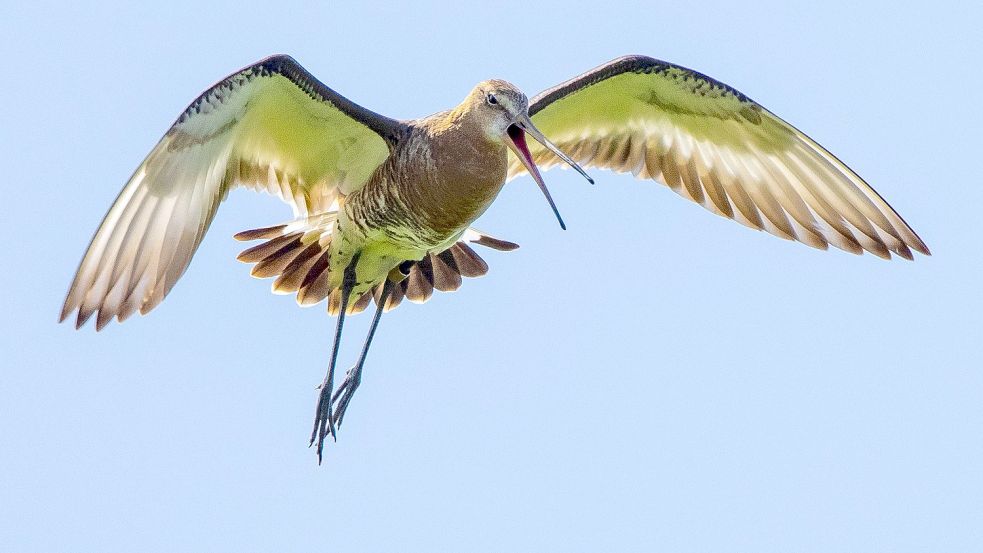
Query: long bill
{"type": "Point", "coordinates": [517, 143]}
{"type": "Point", "coordinates": [525, 124]}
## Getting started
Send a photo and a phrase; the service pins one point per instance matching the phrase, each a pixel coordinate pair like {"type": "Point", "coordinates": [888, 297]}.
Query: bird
{"type": "Point", "coordinates": [383, 208]}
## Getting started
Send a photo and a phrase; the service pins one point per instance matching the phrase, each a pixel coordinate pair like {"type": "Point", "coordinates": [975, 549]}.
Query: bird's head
{"type": "Point", "coordinates": [503, 112]}
{"type": "Point", "coordinates": [497, 104]}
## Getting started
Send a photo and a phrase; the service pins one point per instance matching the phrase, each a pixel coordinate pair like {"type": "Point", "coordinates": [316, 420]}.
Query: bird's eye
{"type": "Point", "coordinates": [492, 100]}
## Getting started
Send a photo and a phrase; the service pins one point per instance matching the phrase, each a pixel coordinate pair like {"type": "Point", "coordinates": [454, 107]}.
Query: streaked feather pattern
{"type": "Point", "coordinates": [713, 145]}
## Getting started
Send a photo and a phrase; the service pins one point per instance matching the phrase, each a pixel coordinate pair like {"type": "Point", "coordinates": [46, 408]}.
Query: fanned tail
{"type": "Point", "coordinates": [298, 255]}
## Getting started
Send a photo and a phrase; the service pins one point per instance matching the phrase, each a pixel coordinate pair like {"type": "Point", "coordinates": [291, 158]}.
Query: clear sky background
{"type": "Point", "coordinates": [654, 378]}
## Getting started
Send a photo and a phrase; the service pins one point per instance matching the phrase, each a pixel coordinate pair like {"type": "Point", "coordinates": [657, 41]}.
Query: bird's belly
{"type": "Point", "coordinates": [387, 223]}
{"type": "Point", "coordinates": [417, 224]}
{"type": "Point", "coordinates": [440, 215]}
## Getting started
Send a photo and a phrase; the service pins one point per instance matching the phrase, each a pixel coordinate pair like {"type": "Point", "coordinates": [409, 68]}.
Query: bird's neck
{"type": "Point", "coordinates": [461, 119]}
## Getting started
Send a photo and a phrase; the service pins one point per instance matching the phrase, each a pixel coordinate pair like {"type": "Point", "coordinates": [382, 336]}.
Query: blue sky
{"type": "Point", "coordinates": [654, 378]}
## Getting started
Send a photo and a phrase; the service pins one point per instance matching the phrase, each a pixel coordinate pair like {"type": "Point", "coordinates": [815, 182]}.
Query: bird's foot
{"type": "Point", "coordinates": [343, 395]}
{"type": "Point", "coordinates": [323, 421]}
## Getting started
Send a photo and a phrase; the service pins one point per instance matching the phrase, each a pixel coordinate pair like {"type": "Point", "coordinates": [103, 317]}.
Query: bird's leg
{"type": "Point", "coordinates": [354, 375]}
{"type": "Point", "coordinates": [323, 421]}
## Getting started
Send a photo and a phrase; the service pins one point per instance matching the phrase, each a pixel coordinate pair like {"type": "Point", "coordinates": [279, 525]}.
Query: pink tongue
{"type": "Point", "coordinates": [519, 137]}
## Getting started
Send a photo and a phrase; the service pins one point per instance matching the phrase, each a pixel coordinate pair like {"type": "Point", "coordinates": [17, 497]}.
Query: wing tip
{"type": "Point", "coordinates": [920, 246]}
{"type": "Point", "coordinates": [65, 312]}
{"type": "Point", "coordinates": [83, 317]}
{"type": "Point", "coordinates": [103, 320]}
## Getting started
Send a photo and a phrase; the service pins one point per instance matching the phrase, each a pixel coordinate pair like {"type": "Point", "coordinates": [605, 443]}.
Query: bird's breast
{"type": "Point", "coordinates": [469, 174]}
{"type": "Point", "coordinates": [431, 190]}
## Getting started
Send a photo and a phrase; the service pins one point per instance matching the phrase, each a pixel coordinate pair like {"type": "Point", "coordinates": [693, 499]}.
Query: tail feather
{"type": "Point", "coordinates": [299, 258]}
{"type": "Point", "coordinates": [317, 284]}
{"type": "Point", "coordinates": [419, 283]}
{"type": "Point", "coordinates": [268, 248]}
{"type": "Point", "coordinates": [469, 263]}
{"type": "Point", "coordinates": [495, 243]}
{"type": "Point", "coordinates": [260, 233]}
{"type": "Point", "coordinates": [274, 264]}
{"type": "Point", "coordinates": [293, 274]}
{"type": "Point", "coordinates": [446, 275]}
{"type": "Point", "coordinates": [395, 296]}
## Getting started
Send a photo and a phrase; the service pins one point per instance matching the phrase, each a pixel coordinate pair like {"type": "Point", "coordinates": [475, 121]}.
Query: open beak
{"type": "Point", "coordinates": [517, 143]}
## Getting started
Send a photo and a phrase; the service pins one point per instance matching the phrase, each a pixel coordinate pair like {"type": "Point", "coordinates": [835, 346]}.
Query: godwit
{"type": "Point", "coordinates": [383, 207]}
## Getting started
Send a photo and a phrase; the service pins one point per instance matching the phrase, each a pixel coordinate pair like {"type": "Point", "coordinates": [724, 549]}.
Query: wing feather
{"type": "Point", "coordinates": [713, 145]}
{"type": "Point", "coordinates": [272, 127]}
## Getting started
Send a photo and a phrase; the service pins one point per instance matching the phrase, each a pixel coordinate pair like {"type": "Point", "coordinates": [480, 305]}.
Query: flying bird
{"type": "Point", "coordinates": [383, 208]}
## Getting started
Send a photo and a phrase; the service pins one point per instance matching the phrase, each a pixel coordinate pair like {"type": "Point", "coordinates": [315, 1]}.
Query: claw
{"type": "Point", "coordinates": [343, 395]}
{"type": "Point", "coordinates": [323, 422]}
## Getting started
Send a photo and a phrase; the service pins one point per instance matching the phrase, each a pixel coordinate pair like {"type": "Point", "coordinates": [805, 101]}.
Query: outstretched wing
{"type": "Point", "coordinates": [271, 126]}
{"type": "Point", "coordinates": [715, 146]}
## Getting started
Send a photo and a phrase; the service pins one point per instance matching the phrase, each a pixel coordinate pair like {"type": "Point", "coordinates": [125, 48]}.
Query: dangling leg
{"type": "Point", "coordinates": [323, 422]}
{"type": "Point", "coordinates": [354, 375]}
